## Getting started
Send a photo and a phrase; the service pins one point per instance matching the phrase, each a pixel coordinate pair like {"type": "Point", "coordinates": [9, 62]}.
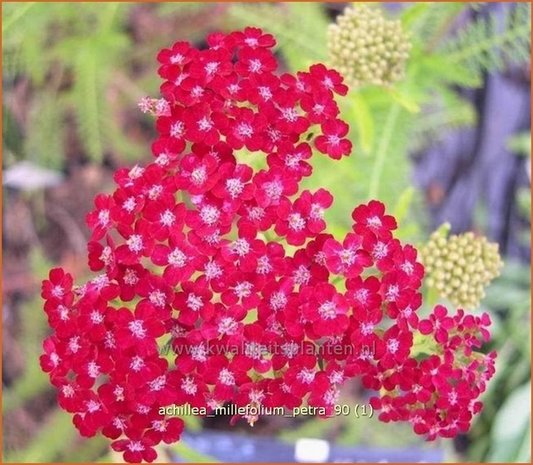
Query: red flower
{"type": "Point", "coordinates": [261, 88]}
{"type": "Point", "coordinates": [139, 243]}
{"type": "Point", "coordinates": [139, 329]}
{"type": "Point", "coordinates": [301, 374]}
{"type": "Point", "coordinates": [198, 173]}
{"type": "Point", "coordinates": [58, 288]}
{"type": "Point", "coordinates": [255, 352]}
{"type": "Point", "coordinates": [137, 448]}
{"type": "Point", "coordinates": [272, 186]}
{"type": "Point", "coordinates": [100, 220]}
{"type": "Point", "coordinates": [253, 37]}
{"type": "Point", "coordinates": [292, 223]}
{"type": "Point", "coordinates": [395, 347]}
{"type": "Point", "coordinates": [234, 185]}
{"type": "Point", "coordinates": [179, 259]}
{"type": "Point", "coordinates": [364, 294]}
{"type": "Point", "coordinates": [173, 128]}
{"type": "Point", "coordinates": [291, 158]}
{"type": "Point", "coordinates": [347, 258]}
{"type": "Point", "coordinates": [332, 141]}
{"type": "Point", "coordinates": [192, 302]}
{"type": "Point", "coordinates": [326, 309]}
{"type": "Point", "coordinates": [320, 107]}
{"type": "Point", "coordinates": [160, 429]}
{"type": "Point", "coordinates": [438, 323]}
{"type": "Point", "coordinates": [372, 217]}
{"type": "Point", "coordinates": [180, 54]}
{"type": "Point", "coordinates": [246, 130]}
{"type": "Point", "coordinates": [203, 126]}
{"type": "Point", "coordinates": [286, 115]}
{"type": "Point", "coordinates": [225, 376]}
{"type": "Point", "coordinates": [256, 61]}
{"type": "Point", "coordinates": [129, 278]}
{"type": "Point", "coordinates": [328, 79]}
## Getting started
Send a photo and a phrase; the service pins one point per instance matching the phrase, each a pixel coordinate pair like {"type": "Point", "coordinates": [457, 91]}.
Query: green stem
{"type": "Point", "coordinates": [382, 150]}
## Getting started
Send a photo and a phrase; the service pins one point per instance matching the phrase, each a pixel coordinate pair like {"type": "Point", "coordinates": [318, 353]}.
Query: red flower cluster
{"type": "Point", "coordinates": [439, 395]}
{"type": "Point", "coordinates": [183, 251]}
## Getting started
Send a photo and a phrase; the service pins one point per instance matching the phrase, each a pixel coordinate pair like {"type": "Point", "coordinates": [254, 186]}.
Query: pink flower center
{"type": "Point", "coordinates": [137, 329]}
{"type": "Point", "coordinates": [234, 186]}
{"type": "Point", "coordinates": [194, 302]}
{"type": "Point", "coordinates": [177, 129]}
{"type": "Point", "coordinates": [306, 376]}
{"type": "Point", "coordinates": [135, 243]}
{"type": "Point", "coordinates": [199, 175]}
{"type": "Point", "coordinates": [228, 326]}
{"type": "Point", "coordinates": [226, 377]}
{"type": "Point", "coordinates": [278, 300]}
{"type": "Point", "coordinates": [393, 345]}
{"type": "Point", "coordinates": [296, 222]}
{"type": "Point", "coordinates": [328, 310]}
{"type": "Point", "coordinates": [209, 214]}
{"type": "Point", "coordinates": [254, 66]}
{"type": "Point", "coordinates": [240, 247]}
{"type": "Point", "coordinates": [205, 124]}
{"type": "Point", "coordinates": [177, 258]}
{"type": "Point", "coordinates": [189, 386]}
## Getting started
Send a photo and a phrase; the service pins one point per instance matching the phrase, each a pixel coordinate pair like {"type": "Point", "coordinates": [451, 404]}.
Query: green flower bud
{"type": "Point", "coordinates": [378, 48]}
{"type": "Point", "coordinates": [460, 267]}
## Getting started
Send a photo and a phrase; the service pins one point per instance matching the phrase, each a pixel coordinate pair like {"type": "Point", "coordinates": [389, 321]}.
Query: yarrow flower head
{"type": "Point", "coordinates": [184, 263]}
{"type": "Point", "coordinates": [460, 267]}
{"type": "Point", "coordinates": [367, 48]}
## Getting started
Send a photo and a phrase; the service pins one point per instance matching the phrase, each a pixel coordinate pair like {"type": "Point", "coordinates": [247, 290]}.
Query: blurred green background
{"type": "Point", "coordinates": [72, 77]}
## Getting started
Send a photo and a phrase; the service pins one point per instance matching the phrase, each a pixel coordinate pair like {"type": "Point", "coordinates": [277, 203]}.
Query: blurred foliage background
{"type": "Point", "coordinates": [449, 142]}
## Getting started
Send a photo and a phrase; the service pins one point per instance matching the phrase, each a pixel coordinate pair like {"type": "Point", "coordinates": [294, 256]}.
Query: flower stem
{"type": "Point", "coordinates": [381, 153]}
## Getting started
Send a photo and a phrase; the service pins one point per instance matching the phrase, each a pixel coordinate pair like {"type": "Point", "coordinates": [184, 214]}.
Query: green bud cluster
{"type": "Point", "coordinates": [366, 48]}
{"type": "Point", "coordinates": [460, 267]}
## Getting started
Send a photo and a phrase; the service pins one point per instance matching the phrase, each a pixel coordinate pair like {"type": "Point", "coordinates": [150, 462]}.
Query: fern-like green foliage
{"type": "Point", "coordinates": [93, 67]}
{"type": "Point", "coordinates": [442, 60]}
{"type": "Point", "coordinates": [428, 22]}
{"type": "Point", "coordinates": [62, 45]}
{"type": "Point", "coordinates": [492, 43]}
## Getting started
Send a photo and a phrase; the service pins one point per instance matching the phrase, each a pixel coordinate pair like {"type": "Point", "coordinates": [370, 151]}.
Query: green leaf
{"type": "Point", "coordinates": [524, 451]}
{"type": "Point", "coordinates": [520, 144]}
{"type": "Point", "coordinates": [382, 150]}
{"type": "Point", "coordinates": [403, 204]}
{"type": "Point", "coordinates": [439, 65]}
{"type": "Point", "coordinates": [413, 13]}
{"type": "Point", "coordinates": [511, 425]}
{"type": "Point", "coordinates": [432, 23]}
{"type": "Point", "coordinates": [443, 230]}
